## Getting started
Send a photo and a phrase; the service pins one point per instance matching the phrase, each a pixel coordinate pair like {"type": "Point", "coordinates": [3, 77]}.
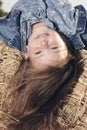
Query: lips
{"type": "Point", "coordinates": [41, 35]}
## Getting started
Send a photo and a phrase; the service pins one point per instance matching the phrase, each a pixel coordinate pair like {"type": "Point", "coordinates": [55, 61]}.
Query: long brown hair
{"type": "Point", "coordinates": [36, 95]}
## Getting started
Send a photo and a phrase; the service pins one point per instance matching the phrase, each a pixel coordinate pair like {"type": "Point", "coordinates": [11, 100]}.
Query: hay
{"type": "Point", "coordinates": [10, 59]}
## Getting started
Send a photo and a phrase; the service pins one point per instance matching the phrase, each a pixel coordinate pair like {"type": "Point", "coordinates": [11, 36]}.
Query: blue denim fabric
{"type": "Point", "coordinates": [81, 29]}
{"type": "Point", "coordinates": [15, 28]}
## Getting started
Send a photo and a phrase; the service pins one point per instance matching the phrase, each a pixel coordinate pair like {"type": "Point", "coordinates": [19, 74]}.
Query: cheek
{"type": "Point", "coordinates": [30, 42]}
{"type": "Point", "coordinates": [63, 55]}
{"type": "Point", "coordinates": [31, 45]}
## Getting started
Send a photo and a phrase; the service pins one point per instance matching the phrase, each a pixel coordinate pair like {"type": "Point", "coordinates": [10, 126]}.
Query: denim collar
{"type": "Point", "coordinates": [81, 24]}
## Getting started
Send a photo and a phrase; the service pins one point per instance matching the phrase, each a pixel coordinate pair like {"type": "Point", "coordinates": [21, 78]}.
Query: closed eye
{"type": "Point", "coordinates": [54, 48]}
{"type": "Point", "coordinates": [38, 52]}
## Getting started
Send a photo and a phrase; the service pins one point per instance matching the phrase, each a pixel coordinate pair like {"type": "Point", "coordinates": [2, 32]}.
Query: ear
{"type": "Point", "coordinates": [26, 54]}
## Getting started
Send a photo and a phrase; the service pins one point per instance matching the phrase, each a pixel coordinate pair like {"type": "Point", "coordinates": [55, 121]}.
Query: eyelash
{"type": "Point", "coordinates": [54, 48]}
{"type": "Point", "coordinates": [38, 52]}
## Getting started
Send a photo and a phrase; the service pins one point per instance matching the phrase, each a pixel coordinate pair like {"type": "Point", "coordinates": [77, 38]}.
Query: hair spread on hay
{"type": "Point", "coordinates": [36, 95]}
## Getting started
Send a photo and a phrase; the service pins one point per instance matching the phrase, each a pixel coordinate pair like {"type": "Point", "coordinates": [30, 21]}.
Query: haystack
{"type": "Point", "coordinates": [10, 59]}
{"type": "Point", "coordinates": [72, 113]}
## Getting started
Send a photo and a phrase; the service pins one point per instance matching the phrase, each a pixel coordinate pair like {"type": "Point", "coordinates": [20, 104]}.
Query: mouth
{"type": "Point", "coordinates": [41, 35]}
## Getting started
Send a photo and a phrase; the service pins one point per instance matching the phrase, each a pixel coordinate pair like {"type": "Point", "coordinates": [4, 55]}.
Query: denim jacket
{"type": "Point", "coordinates": [15, 28]}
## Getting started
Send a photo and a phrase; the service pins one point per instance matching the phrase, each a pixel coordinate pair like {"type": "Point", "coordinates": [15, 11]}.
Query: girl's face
{"type": "Point", "coordinates": [46, 49]}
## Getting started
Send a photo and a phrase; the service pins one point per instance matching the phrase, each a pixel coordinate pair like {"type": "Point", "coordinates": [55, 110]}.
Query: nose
{"type": "Point", "coordinates": [44, 42]}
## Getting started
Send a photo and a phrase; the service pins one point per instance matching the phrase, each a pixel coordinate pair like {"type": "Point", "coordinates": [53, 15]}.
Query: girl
{"type": "Point", "coordinates": [48, 33]}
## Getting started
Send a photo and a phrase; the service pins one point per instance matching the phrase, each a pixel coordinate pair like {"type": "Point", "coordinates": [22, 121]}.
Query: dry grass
{"type": "Point", "coordinates": [9, 62]}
